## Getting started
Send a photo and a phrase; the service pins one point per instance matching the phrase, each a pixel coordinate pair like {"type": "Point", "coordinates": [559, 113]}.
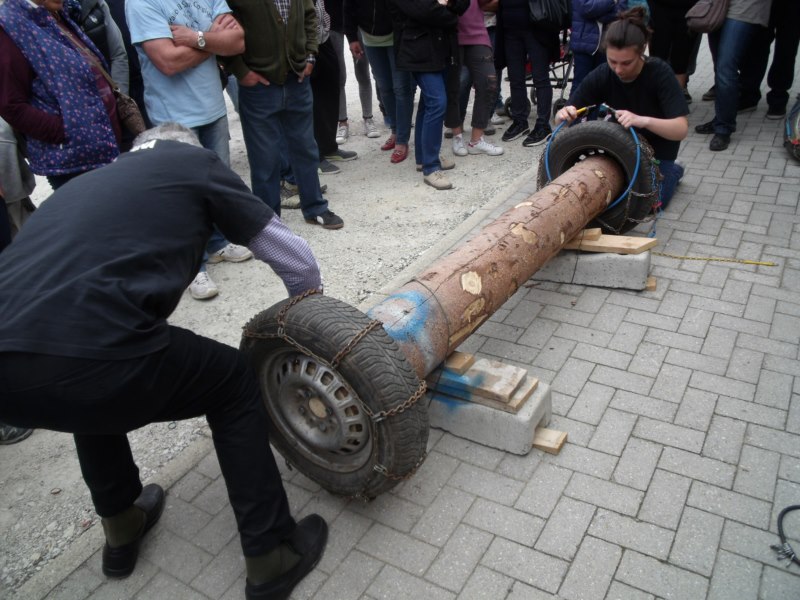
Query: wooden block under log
{"type": "Point", "coordinates": [486, 379]}
{"type": "Point", "coordinates": [459, 362]}
{"type": "Point", "coordinates": [513, 406]}
{"type": "Point", "coordinates": [549, 440]}
{"type": "Point", "coordinates": [588, 234]}
{"type": "Point", "coordinates": [521, 396]}
{"type": "Point", "coordinates": [650, 286]}
{"type": "Point", "coordinates": [619, 244]}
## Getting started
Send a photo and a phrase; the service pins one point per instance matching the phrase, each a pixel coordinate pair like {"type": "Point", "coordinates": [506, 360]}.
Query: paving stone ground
{"type": "Point", "coordinates": [683, 412]}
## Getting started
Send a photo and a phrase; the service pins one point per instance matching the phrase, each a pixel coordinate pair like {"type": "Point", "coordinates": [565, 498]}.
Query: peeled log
{"type": "Point", "coordinates": [438, 309]}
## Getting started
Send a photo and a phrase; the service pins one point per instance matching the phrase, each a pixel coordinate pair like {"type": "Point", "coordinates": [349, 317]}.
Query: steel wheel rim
{"type": "Point", "coordinates": [316, 411]}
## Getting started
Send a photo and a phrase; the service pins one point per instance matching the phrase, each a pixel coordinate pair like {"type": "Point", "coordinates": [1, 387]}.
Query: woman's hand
{"type": "Point", "coordinates": [628, 119]}
{"type": "Point", "coordinates": [568, 114]}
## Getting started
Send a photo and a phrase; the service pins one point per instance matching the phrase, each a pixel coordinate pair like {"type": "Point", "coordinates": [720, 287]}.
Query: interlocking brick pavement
{"type": "Point", "coordinates": [683, 412]}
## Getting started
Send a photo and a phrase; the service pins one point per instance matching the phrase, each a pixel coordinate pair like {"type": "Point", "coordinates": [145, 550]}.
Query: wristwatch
{"type": "Point", "coordinates": [201, 40]}
{"type": "Point", "coordinates": [311, 59]}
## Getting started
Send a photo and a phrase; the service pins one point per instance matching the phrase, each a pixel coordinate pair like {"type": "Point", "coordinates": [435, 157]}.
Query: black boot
{"type": "Point", "coordinates": [307, 540]}
{"type": "Point", "coordinates": [120, 560]}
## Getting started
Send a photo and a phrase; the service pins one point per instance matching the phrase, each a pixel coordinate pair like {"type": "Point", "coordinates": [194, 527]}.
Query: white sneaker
{"type": "Point", "coordinates": [342, 133]}
{"type": "Point", "coordinates": [497, 119]}
{"type": "Point", "coordinates": [370, 129]}
{"type": "Point", "coordinates": [230, 253]}
{"type": "Point", "coordinates": [459, 149]}
{"type": "Point", "coordinates": [438, 180]}
{"type": "Point", "coordinates": [484, 147]}
{"type": "Point", "coordinates": [203, 288]}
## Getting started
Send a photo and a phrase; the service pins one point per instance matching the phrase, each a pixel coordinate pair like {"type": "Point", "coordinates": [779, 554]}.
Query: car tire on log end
{"type": "Point", "coordinates": [574, 144]}
{"type": "Point", "coordinates": [321, 412]}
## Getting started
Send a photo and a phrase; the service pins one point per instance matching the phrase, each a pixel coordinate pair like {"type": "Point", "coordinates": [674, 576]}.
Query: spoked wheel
{"type": "Point", "coordinates": [317, 410]}
{"type": "Point", "coordinates": [346, 409]}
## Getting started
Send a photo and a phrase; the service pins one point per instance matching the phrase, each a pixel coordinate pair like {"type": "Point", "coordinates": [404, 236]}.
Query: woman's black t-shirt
{"type": "Point", "coordinates": [654, 93]}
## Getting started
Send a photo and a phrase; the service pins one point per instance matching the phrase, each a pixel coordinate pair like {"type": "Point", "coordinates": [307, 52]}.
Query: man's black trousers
{"type": "Point", "coordinates": [99, 401]}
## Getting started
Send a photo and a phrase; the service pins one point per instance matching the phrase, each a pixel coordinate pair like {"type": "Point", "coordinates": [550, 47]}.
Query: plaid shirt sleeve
{"type": "Point", "coordinates": [289, 255]}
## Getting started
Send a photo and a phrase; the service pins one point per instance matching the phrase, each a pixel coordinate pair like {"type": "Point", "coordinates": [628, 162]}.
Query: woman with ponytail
{"type": "Point", "coordinates": [642, 90]}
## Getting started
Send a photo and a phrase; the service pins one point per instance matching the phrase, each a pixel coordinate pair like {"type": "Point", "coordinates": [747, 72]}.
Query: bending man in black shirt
{"type": "Point", "coordinates": [85, 347]}
{"type": "Point", "coordinates": [644, 92]}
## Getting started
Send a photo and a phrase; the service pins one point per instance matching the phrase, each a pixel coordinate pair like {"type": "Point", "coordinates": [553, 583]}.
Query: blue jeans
{"type": "Point", "coordinates": [672, 173]}
{"type": "Point", "coordinates": [397, 93]}
{"type": "Point", "coordinates": [232, 87]}
{"type": "Point", "coordinates": [215, 136]}
{"type": "Point", "coordinates": [266, 112]}
{"type": "Point", "coordinates": [430, 116]}
{"type": "Point", "coordinates": [732, 42]}
{"type": "Point", "coordinates": [583, 64]}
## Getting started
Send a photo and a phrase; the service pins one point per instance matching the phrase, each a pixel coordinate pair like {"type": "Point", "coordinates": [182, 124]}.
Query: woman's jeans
{"type": "Point", "coordinates": [395, 88]}
{"type": "Point", "coordinates": [672, 173]}
{"type": "Point", "coordinates": [430, 115]}
{"type": "Point", "coordinates": [583, 64]}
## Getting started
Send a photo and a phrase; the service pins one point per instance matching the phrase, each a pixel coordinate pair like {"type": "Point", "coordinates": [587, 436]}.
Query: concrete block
{"type": "Point", "coordinates": [601, 269]}
{"type": "Point", "coordinates": [489, 426]}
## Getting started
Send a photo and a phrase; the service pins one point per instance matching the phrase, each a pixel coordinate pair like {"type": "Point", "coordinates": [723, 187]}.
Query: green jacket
{"type": "Point", "coordinates": [272, 49]}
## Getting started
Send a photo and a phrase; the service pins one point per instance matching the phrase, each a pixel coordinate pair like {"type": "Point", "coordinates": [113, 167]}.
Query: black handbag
{"type": "Point", "coordinates": [551, 14]}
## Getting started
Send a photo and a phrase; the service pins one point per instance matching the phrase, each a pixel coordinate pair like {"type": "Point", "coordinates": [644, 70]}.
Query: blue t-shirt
{"type": "Point", "coordinates": [194, 96]}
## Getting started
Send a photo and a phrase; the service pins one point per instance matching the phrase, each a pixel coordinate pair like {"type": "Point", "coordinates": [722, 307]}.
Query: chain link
{"type": "Point", "coordinates": [353, 341]}
{"type": "Point", "coordinates": [647, 151]}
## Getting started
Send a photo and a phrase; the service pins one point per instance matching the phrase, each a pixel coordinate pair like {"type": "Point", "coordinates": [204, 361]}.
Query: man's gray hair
{"type": "Point", "coordinates": [168, 131]}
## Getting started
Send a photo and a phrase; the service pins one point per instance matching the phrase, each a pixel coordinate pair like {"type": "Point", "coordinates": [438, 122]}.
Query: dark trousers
{"type": "Point", "coordinates": [785, 31]}
{"type": "Point", "coordinates": [521, 44]}
{"type": "Point", "coordinates": [671, 41]}
{"type": "Point", "coordinates": [5, 225]}
{"type": "Point", "coordinates": [100, 401]}
{"type": "Point", "coordinates": [325, 88]}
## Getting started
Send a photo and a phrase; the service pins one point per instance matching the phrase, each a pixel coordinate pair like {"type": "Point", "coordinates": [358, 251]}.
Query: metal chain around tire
{"type": "Point", "coordinates": [346, 409]}
{"type": "Point", "coordinates": [574, 144]}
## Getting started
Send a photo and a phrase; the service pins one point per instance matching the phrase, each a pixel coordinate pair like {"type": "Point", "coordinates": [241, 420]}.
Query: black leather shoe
{"type": "Point", "coordinates": [120, 562]}
{"type": "Point", "coordinates": [308, 539]}
{"type": "Point", "coordinates": [705, 127]}
{"type": "Point", "coordinates": [719, 142]}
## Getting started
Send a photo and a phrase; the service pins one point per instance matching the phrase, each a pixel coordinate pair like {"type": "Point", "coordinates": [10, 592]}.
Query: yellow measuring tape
{"type": "Point", "coordinates": [741, 261]}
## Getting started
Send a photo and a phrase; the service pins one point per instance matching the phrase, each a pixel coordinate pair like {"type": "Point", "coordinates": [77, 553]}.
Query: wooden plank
{"type": "Point", "coordinates": [514, 404]}
{"type": "Point", "coordinates": [588, 234]}
{"type": "Point", "coordinates": [521, 396]}
{"type": "Point", "coordinates": [459, 362]}
{"type": "Point", "coordinates": [549, 440]}
{"type": "Point", "coordinates": [650, 286]}
{"type": "Point", "coordinates": [488, 379]}
{"type": "Point", "coordinates": [619, 244]}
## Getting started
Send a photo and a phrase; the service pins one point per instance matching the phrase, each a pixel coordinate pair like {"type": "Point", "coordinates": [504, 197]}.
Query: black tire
{"type": "Point", "coordinates": [558, 105]}
{"type": "Point", "coordinates": [573, 144]}
{"type": "Point", "coordinates": [319, 415]}
{"type": "Point", "coordinates": [507, 107]}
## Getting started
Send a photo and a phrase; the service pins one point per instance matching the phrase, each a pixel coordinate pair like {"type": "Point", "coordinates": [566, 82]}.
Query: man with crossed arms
{"type": "Point", "coordinates": [177, 42]}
